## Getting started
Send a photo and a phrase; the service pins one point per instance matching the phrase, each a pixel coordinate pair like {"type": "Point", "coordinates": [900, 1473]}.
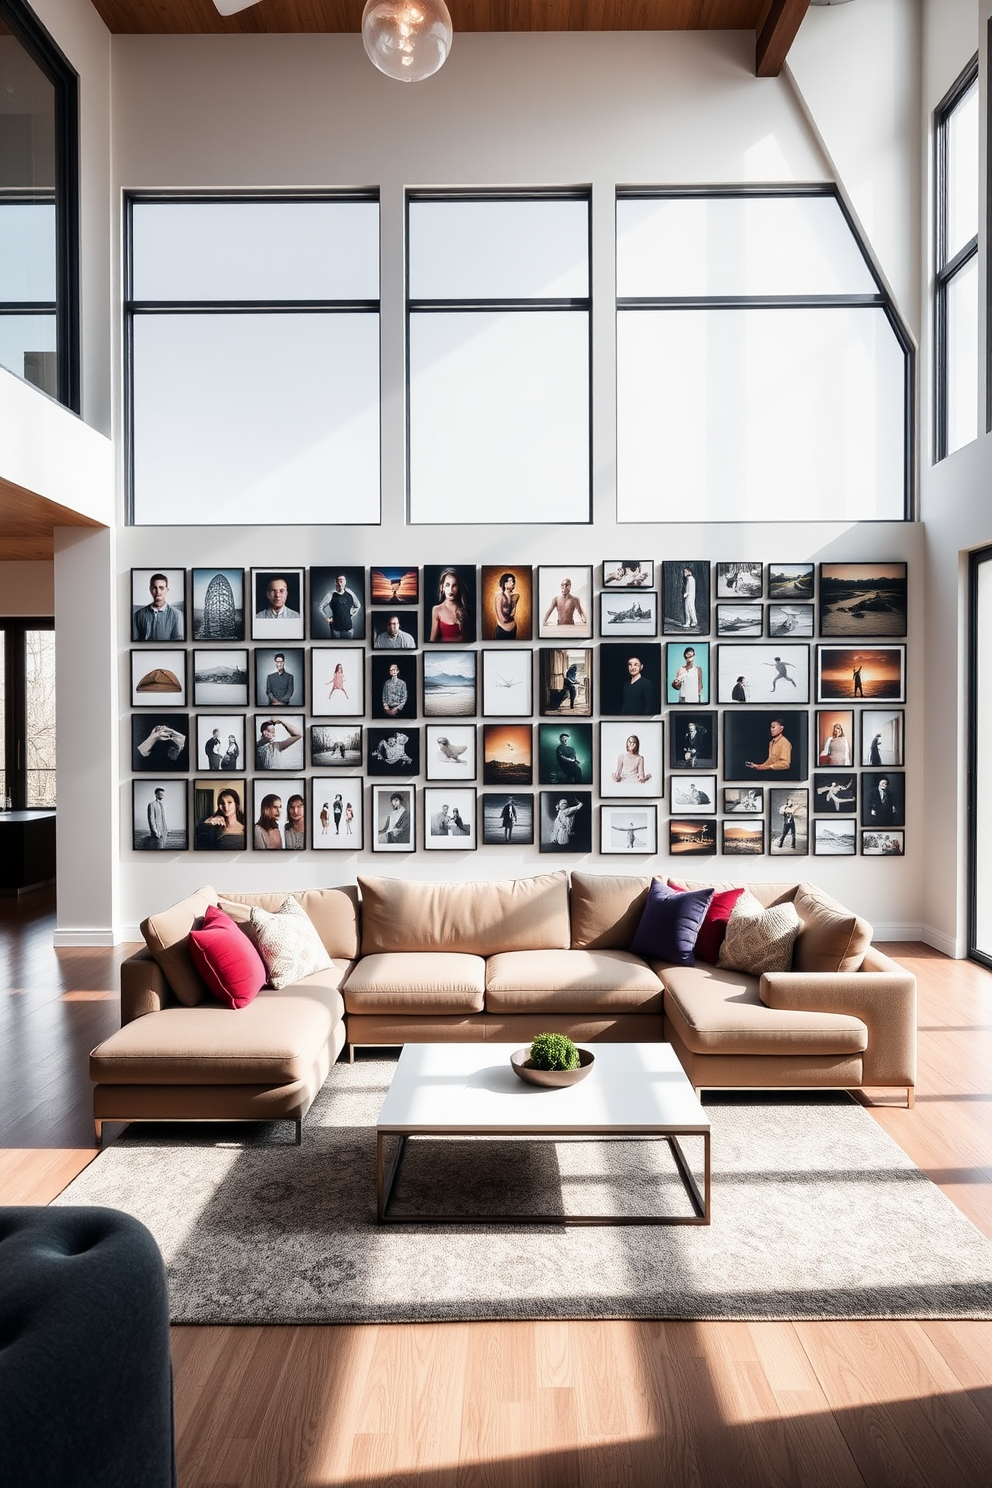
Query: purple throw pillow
{"type": "Point", "coordinates": [670, 924]}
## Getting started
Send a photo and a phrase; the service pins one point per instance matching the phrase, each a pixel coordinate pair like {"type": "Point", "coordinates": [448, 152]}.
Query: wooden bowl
{"type": "Point", "coordinates": [555, 1079]}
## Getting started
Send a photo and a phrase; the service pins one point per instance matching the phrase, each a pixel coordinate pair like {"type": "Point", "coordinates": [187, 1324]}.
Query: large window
{"type": "Point", "coordinates": [499, 357]}
{"type": "Point", "coordinates": [27, 712]}
{"type": "Point", "coordinates": [956, 266]}
{"type": "Point", "coordinates": [762, 374]}
{"type": "Point", "coordinates": [253, 333]}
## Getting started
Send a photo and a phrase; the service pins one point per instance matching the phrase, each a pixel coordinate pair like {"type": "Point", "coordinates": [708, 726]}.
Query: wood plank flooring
{"type": "Point", "coordinates": [545, 1405]}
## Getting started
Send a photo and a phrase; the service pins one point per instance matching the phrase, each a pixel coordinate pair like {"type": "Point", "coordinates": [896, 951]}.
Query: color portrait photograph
{"type": "Point", "coordinates": [450, 751]}
{"type": "Point", "coordinates": [856, 673]}
{"type": "Point", "coordinates": [790, 581]}
{"type": "Point", "coordinates": [279, 741]}
{"type": "Point", "coordinates": [507, 682]}
{"type": "Point", "coordinates": [628, 831]}
{"type": "Point", "coordinates": [628, 573]}
{"type": "Point", "coordinates": [631, 762]}
{"type": "Point", "coordinates": [394, 827]}
{"type": "Point", "coordinates": [337, 681]}
{"type": "Point", "coordinates": [220, 679]}
{"type": "Point", "coordinates": [337, 603]}
{"type": "Point", "coordinates": [687, 668]}
{"type": "Point", "coordinates": [742, 839]}
{"type": "Point", "coordinates": [450, 608]}
{"type": "Point", "coordinates": [630, 679]}
{"type": "Point", "coordinates": [835, 793]}
{"type": "Point", "coordinates": [218, 604]}
{"type": "Point", "coordinates": [565, 821]}
{"type": "Point", "coordinates": [506, 604]}
{"type": "Point", "coordinates": [744, 800]}
{"type": "Point", "coordinates": [863, 599]}
{"type": "Point", "coordinates": [395, 630]}
{"type": "Point", "coordinates": [882, 736]}
{"type": "Point", "coordinates": [628, 614]}
{"type": "Point", "coordinates": [159, 743]}
{"type": "Point", "coordinates": [691, 838]}
{"type": "Point", "coordinates": [765, 744]}
{"type": "Point", "coordinates": [158, 605]}
{"type": "Point", "coordinates": [157, 678]}
{"type": "Point", "coordinates": [337, 745]}
{"type": "Point", "coordinates": [740, 580]}
{"type": "Point", "coordinates": [565, 681]}
{"type": "Point", "coordinates": [788, 833]}
{"type": "Point", "coordinates": [449, 818]}
{"type": "Point", "coordinates": [883, 798]}
{"type": "Point", "coordinates": [277, 605]}
{"type": "Point", "coordinates": [219, 807]}
{"type": "Point", "coordinates": [279, 815]}
{"type": "Point", "coordinates": [685, 597]}
{"type": "Point", "coordinates": [449, 684]}
{"type": "Point", "coordinates": [336, 813]}
{"type": "Point", "coordinates": [835, 839]}
{"type": "Point", "coordinates": [564, 603]}
{"type": "Point", "coordinates": [220, 742]}
{"type": "Point", "coordinates": [762, 674]}
{"type": "Point", "coordinates": [507, 820]}
{"type": "Point", "coordinates": [392, 751]}
{"type": "Point", "coordinates": [692, 740]}
{"type": "Point", "coordinates": [564, 754]}
{"type": "Point", "coordinates": [394, 586]}
{"type": "Point", "coordinates": [507, 754]}
{"type": "Point", "coordinates": [394, 687]}
{"type": "Point", "coordinates": [835, 738]}
{"type": "Point", "coordinates": [692, 795]}
{"type": "Point", "coordinates": [790, 620]}
{"type": "Point", "coordinates": [280, 677]}
{"type": "Point", "coordinates": [158, 816]}
{"type": "Point", "coordinates": [740, 620]}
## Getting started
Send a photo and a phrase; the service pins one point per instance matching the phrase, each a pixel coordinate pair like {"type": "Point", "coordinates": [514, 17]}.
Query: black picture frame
{"type": "Point", "coordinates": [167, 625]}
{"type": "Point", "coordinates": [788, 825]}
{"type": "Point", "coordinates": [617, 694]}
{"type": "Point", "coordinates": [403, 636]}
{"type": "Point", "coordinates": [742, 579]}
{"type": "Point", "coordinates": [220, 679]}
{"type": "Point", "coordinates": [735, 619]}
{"type": "Point", "coordinates": [564, 591]}
{"type": "Point", "coordinates": [775, 673]}
{"type": "Point", "coordinates": [450, 683]}
{"type": "Point", "coordinates": [159, 816]}
{"type": "Point", "coordinates": [394, 833]}
{"type": "Point", "coordinates": [280, 688]}
{"type": "Point", "coordinates": [565, 821]}
{"type": "Point", "coordinates": [564, 681]}
{"type": "Point", "coordinates": [394, 586]}
{"type": "Point", "coordinates": [290, 625]}
{"type": "Point", "coordinates": [281, 739]}
{"type": "Point", "coordinates": [336, 746]}
{"type": "Point", "coordinates": [158, 678]}
{"type": "Point", "coordinates": [450, 752]}
{"type": "Point", "coordinates": [687, 673]}
{"type": "Point", "coordinates": [337, 613]}
{"type": "Point", "coordinates": [450, 813]}
{"type": "Point", "coordinates": [564, 754]}
{"type": "Point", "coordinates": [215, 829]}
{"type": "Point", "coordinates": [692, 836]}
{"type": "Point", "coordinates": [337, 813]}
{"type": "Point", "coordinates": [794, 621]}
{"type": "Point", "coordinates": [508, 755]}
{"type": "Point", "coordinates": [834, 793]}
{"type": "Point", "coordinates": [498, 830]}
{"type": "Point", "coordinates": [385, 703]}
{"type": "Point", "coordinates": [622, 613]}
{"type": "Point", "coordinates": [866, 673]}
{"type": "Point", "coordinates": [464, 601]}
{"type": "Point", "coordinates": [337, 681]}
{"type": "Point", "coordinates": [747, 740]}
{"type": "Point", "coordinates": [392, 753]}
{"type": "Point", "coordinates": [285, 791]}
{"type": "Point", "coordinates": [742, 837]}
{"type": "Point", "coordinates": [506, 603]}
{"type": "Point", "coordinates": [160, 743]}
{"type": "Point", "coordinates": [834, 838]}
{"type": "Point", "coordinates": [224, 755]}
{"type": "Point", "coordinates": [791, 581]}
{"type": "Point", "coordinates": [685, 605]}
{"type": "Point", "coordinates": [883, 807]}
{"type": "Point", "coordinates": [629, 830]}
{"type": "Point", "coordinates": [217, 599]}
{"type": "Point", "coordinates": [693, 743]}
{"type": "Point", "coordinates": [868, 600]}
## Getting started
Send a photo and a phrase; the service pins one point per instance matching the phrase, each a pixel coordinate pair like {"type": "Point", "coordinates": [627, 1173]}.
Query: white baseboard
{"type": "Point", "coordinates": [897, 932]}
{"type": "Point", "coordinates": [946, 943]}
{"type": "Point", "coordinates": [88, 937]}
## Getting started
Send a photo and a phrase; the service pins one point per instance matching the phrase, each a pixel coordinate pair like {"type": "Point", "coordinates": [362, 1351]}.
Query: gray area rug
{"type": "Point", "coordinates": [817, 1213]}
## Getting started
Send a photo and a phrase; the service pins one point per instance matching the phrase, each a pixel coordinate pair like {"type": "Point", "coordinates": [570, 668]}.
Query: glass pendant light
{"type": "Point", "coordinates": [407, 39]}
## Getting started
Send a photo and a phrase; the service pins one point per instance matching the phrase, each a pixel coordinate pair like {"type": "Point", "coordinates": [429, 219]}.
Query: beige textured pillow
{"type": "Point", "coordinates": [832, 938]}
{"type": "Point", "coordinates": [757, 939]}
{"type": "Point", "coordinates": [287, 942]}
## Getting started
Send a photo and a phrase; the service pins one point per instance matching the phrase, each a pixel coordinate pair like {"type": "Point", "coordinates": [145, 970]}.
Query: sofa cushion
{"type": "Point", "coordinates": [606, 909]}
{"type": "Point", "coordinates": [714, 1011]}
{"type": "Point", "coordinates": [570, 982]}
{"type": "Point", "coordinates": [416, 981]}
{"type": "Point", "coordinates": [287, 943]}
{"type": "Point", "coordinates": [226, 959]}
{"type": "Point", "coordinates": [831, 938]}
{"type": "Point", "coordinates": [757, 939]}
{"type": "Point", "coordinates": [332, 912]}
{"type": "Point", "coordinates": [167, 937]}
{"type": "Point", "coordinates": [765, 893]}
{"type": "Point", "coordinates": [523, 914]}
{"type": "Point", "coordinates": [713, 930]}
{"type": "Point", "coordinates": [670, 923]}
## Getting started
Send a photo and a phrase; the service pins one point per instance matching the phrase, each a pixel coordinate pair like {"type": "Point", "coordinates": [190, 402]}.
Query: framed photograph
{"type": "Point", "coordinates": [220, 742]}
{"type": "Point", "coordinates": [507, 603]}
{"type": "Point", "coordinates": [160, 743]}
{"type": "Point", "coordinates": [883, 844]}
{"type": "Point", "coordinates": [450, 751]}
{"type": "Point", "coordinates": [158, 605]}
{"type": "Point", "coordinates": [565, 681]}
{"type": "Point", "coordinates": [690, 837]}
{"type": "Point", "coordinates": [740, 580]}
{"type": "Point", "coordinates": [279, 741]}
{"type": "Point", "coordinates": [790, 620]}
{"type": "Point", "coordinates": [280, 677]}
{"type": "Point", "coordinates": [740, 620]}
{"type": "Point", "coordinates": [277, 605]}
{"type": "Point", "coordinates": [507, 754]}
{"type": "Point", "coordinates": [628, 614]}
{"type": "Point", "coordinates": [835, 738]}
{"type": "Point", "coordinates": [507, 821]}
{"type": "Point", "coordinates": [788, 835]}
{"type": "Point", "coordinates": [449, 818]}
{"type": "Point", "coordinates": [394, 586]}
{"type": "Point", "coordinates": [835, 793]}
{"type": "Point", "coordinates": [883, 799]}
{"type": "Point", "coordinates": [337, 603]}
{"type": "Point", "coordinates": [334, 745]}
{"type": "Point", "coordinates": [790, 581]}
{"type": "Point", "coordinates": [628, 831]}
{"type": "Point", "coordinates": [220, 679]}
{"type": "Point", "coordinates": [630, 679]}
{"type": "Point", "coordinates": [631, 762]}
{"type": "Point", "coordinates": [861, 673]}
{"type": "Point", "coordinates": [507, 683]}
{"type": "Point", "coordinates": [742, 839]}
{"type": "Point", "coordinates": [395, 630]}
{"type": "Point", "coordinates": [882, 737]}
{"type": "Point", "coordinates": [628, 573]}
{"type": "Point", "coordinates": [685, 597]}
{"type": "Point", "coordinates": [337, 681]}
{"type": "Point", "coordinates": [449, 684]}
{"type": "Point", "coordinates": [450, 606]}
{"type": "Point", "coordinates": [765, 746]}
{"type": "Point", "coordinates": [159, 821]}
{"type": "Point", "coordinates": [863, 599]}
{"type": "Point", "coordinates": [688, 671]}
{"type": "Point", "coordinates": [279, 815]}
{"type": "Point", "coordinates": [158, 678]}
{"type": "Point", "coordinates": [692, 741]}
{"type": "Point", "coordinates": [762, 674]}
{"type": "Point", "coordinates": [218, 604]}
{"type": "Point", "coordinates": [564, 754]}
{"type": "Point", "coordinates": [392, 751]}
{"type": "Point", "coordinates": [220, 804]}
{"type": "Point", "coordinates": [393, 692]}
{"type": "Point", "coordinates": [394, 826]}
{"type": "Point", "coordinates": [744, 800]}
{"type": "Point", "coordinates": [336, 816]}
{"type": "Point", "coordinates": [835, 839]}
{"type": "Point", "coordinates": [693, 795]}
{"type": "Point", "coordinates": [566, 821]}
{"type": "Point", "coordinates": [564, 603]}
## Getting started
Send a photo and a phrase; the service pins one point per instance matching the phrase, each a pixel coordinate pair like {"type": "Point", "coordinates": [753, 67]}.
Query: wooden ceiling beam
{"type": "Point", "coordinates": [28, 522]}
{"type": "Point", "coordinates": [775, 33]}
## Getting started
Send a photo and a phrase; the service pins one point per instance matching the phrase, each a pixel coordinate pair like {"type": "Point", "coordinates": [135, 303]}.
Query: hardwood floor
{"type": "Point", "coordinates": [538, 1405]}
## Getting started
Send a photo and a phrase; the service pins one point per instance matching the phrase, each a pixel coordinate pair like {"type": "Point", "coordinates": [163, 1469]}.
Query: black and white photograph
{"type": "Point", "coordinates": [692, 740]}
{"type": "Point", "coordinates": [628, 573]}
{"type": "Point", "coordinates": [687, 668]}
{"type": "Point", "coordinates": [450, 604]}
{"type": "Point", "coordinates": [395, 630]}
{"type": "Point", "coordinates": [160, 743]}
{"type": "Point", "coordinates": [337, 745]}
{"type": "Point", "coordinates": [280, 677]}
{"type": "Point", "coordinates": [762, 674]}
{"type": "Point", "coordinates": [506, 602]}
{"type": "Point", "coordinates": [394, 827]}
{"type": "Point", "coordinates": [565, 821]}
{"type": "Point", "coordinates": [835, 793]}
{"type": "Point", "coordinates": [685, 597]}
{"type": "Point", "coordinates": [158, 678]}
{"type": "Point", "coordinates": [220, 679]}
{"type": "Point", "coordinates": [565, 681]}
{"type": "Point", "coordinates": [218, 604]}
{"type": "Point", "coordinates": [449, 684]}
{"type": "Point", "coordinates": [863, 599]}
{"type": "Point", "coordinates": [790, 581]}
{"type": "Point", "coordinates": [220, 805]}
{"type": "Point", "coordinates": [220, 742]}
{"type": "Point", "coordinates": [279, 741]}
{"type": "Point", "coordinates": [788, 833]}
{"type": "Point", "coordinates": [883, 798]}
{"type": "Point", "coordinates": [507, 754]}
{"type": "Point", "coordinates": [883, 737]}
{"type": "Point", "coordinates": [564, 603]}
{"type": "Point", "coordinates": [835, 738]}
{"type": "Point", "coordinates": [507, 820]}
{"type": "Point", "coordinates": [277, 605]}
{"type": "Point", "coordinates": [883, 844]}
{"type": "Point", "coordinates": [564, 754]}
{"type": "Point", "coordinates": [631, 763]}
{"type": "Point", "coordinates": [392, 751]}
{"type": "Point", "coordinates": [158, 605]}
{"type": "Point", "coordinates": [691, 837]}
{"type": "Point", "coordinates": [279, 815]}
{"type": "Point", "coordinates": [630, 679]}
{"type": "Point", "coordinates": [336, 813]}
{"type": "Point", "coordinates": [628, 831]}
{"type": "Point", "coordinates": [507, 682]}
{"type": "Point", "coordinates": [337, 681]}
{"type": "Point", "coordinates": [394, 586]}
{"type": "Point", "coordinates": [337, 603]}
{"type": "Point", "coordinates": [450, 751]}
{"type": "Point", "coordinates": [393, 689]}
{"type": "Point", "coordinates": [742, 839]}
{"type": "Point", "coordinates": [835, 839]}
{"type": "Point", "coordinates": [692, 795]}
{"type": "Point", "coordinates": [628, 614]}
{"type": "Point", "coordinates": [740, 620]}
{"type": "Point", "coordinates": [861, 674]}
{"type": "Point", "coordinates": [765, 744]}
{"type": "Point", "coordinates": [790, 620]}
{"type": "Point", "coordinates": [449, 818]}
{"type": "Point", "coordinates": [158, 816]}
{"type": "Point", "coordinates": [740, 580]}
{"type": "Point", "coordinates": [744, 800]}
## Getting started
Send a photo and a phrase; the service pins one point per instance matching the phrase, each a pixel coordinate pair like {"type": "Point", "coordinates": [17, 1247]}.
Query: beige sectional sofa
{"type": "Point", "coordinates": [430, 962]}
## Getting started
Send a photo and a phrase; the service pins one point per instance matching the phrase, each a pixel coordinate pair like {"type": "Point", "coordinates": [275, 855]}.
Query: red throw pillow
{"type": "Point", "coordinates": [713, 930]}
{"type": "Point", "coordinates": [226, 959]}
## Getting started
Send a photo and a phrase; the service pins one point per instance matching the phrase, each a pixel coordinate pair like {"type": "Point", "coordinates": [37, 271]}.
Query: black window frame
{"type": "Point", "coordinates": [15, 628]}
{"type": "Point", "coordinates": [944, 273]}
{"type": "Point", "coordinates": [976, 560]}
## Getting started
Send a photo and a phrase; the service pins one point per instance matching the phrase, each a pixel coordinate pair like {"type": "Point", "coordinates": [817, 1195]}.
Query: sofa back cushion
{"type": "Point", "coordinates": [831, 937]}
{"type": "Point", "coordinates": [167, 937]}
{"type": "Point", "coordinates": [766, 894]}
{"type": "Point", "coordinates": [606, 910]}
{"type": "Point", "coordinates": [523, 914]}
{"type": "Point", "coordinates": [332, 912]}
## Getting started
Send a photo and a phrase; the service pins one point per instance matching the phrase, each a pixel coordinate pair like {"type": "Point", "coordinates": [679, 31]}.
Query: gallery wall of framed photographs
{"type": "Point", "coordinates": [631, 708]}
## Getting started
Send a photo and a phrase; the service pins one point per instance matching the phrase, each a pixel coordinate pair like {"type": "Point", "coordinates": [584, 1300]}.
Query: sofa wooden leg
{"type": "Point", "coordinates": [98, 1130]}
{"type": "Point", "coordinates": [910, 1097]}
{"type": "Point", "coordinates": [299, 1133]}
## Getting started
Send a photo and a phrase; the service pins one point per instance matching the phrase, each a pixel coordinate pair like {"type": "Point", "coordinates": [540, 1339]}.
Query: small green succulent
{"type": "Point", "coordinates": [553, 1051]}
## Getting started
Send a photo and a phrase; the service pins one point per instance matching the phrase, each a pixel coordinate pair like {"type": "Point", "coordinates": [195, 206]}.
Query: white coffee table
{"type": "Point", "coordinates": [460, 1090]}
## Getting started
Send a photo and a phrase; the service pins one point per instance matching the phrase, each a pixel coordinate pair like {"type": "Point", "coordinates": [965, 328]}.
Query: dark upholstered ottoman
{"type": "Point", "coordinates": [85, 1372]}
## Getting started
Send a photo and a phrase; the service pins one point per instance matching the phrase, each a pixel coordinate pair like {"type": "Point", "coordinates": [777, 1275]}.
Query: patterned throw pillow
{"type": "Point", "coordinates": [757, 939]}
{"type": "Point", "coordinates": [287, 943]}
